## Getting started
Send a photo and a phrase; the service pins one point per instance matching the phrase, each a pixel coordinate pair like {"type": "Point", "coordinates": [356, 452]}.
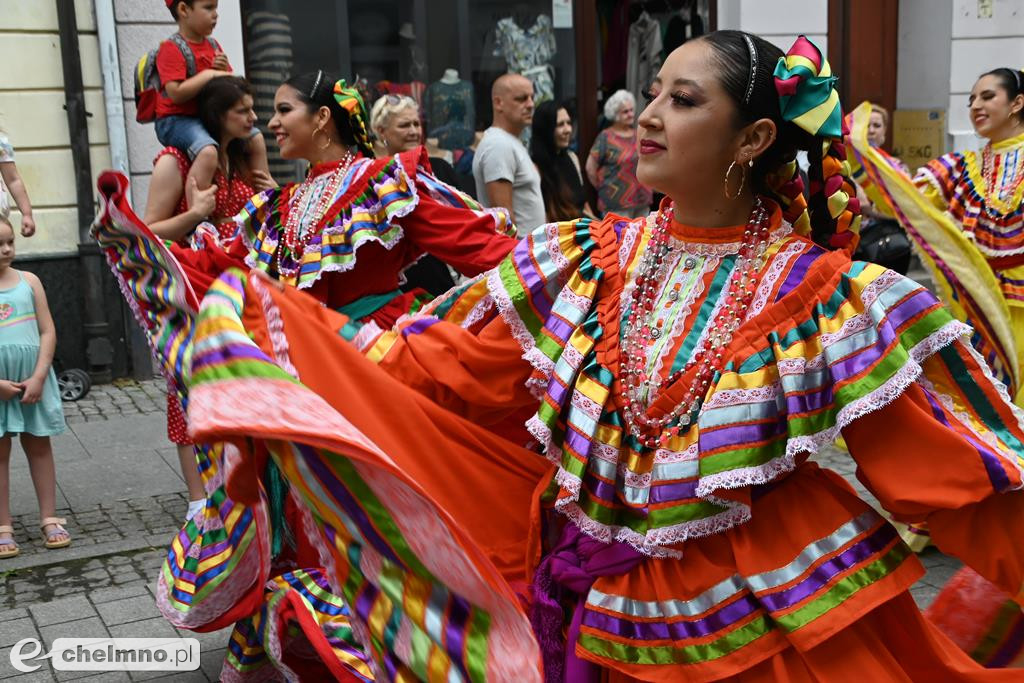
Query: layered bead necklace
{"type": "Point", "coordinates": [306, 210]}
{"type": "Point", "coordinates": [642, 329]}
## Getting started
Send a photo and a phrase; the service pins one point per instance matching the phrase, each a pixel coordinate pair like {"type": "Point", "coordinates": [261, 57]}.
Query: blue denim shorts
{"type": "Point", "coordinates": [184, 132]}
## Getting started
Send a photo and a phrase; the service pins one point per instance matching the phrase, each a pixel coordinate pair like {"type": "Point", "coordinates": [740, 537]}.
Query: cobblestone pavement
{"type": "Point", "coordinates": [124, 397]}
{"type": "Point", "coordinates": [110, 596]}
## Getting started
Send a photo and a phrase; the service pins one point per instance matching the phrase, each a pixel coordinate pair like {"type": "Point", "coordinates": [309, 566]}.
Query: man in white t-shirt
{"type": "Point", "coordinates": [502, 168]}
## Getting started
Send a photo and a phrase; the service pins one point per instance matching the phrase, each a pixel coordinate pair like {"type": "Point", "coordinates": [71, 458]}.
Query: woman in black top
{"type": "Point", "coordinates": [561, 182]}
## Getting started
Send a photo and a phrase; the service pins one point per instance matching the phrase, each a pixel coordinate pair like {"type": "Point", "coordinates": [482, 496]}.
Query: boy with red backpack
{"type": "Point", "coordinates": [186, 62]}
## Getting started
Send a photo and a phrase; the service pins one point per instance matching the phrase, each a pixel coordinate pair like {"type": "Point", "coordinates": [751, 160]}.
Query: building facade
{"type": "Point", "coordinates": [906, 54]}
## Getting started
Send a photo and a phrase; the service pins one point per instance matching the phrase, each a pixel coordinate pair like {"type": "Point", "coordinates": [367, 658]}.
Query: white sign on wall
{"type": "Point", "coordinates": [561, 13]}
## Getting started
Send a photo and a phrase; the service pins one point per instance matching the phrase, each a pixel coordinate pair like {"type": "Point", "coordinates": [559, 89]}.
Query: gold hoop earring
{"type": "Point", "coordinates": [743, 178]}
{"type": "Point", "coordinates": [329, 141]}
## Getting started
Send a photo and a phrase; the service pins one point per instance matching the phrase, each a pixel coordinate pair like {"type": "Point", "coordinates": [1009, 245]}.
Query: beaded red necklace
{"type": "Point", "coordinates": [642, 330]}
{"type": "Point", "coordinates": [295, 238]}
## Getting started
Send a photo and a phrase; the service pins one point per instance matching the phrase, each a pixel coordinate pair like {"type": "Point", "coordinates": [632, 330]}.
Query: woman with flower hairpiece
{"type": "Point", "coordinates": [344, 235]}
{"type": "Point", "coordinates": [591, 462]}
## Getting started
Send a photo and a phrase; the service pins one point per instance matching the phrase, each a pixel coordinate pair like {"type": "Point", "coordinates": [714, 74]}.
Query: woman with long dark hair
{"type": "Point", "coordinates": [592, 462]}
{"type": "Point", "coordinates": [173, 206]}
{"type": "Point", "coordinates": [561, 179]}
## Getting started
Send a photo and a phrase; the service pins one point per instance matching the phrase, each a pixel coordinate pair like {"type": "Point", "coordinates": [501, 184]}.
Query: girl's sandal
{"type": "Point", "coordinates": [56, 530]}
{"type": "Point", "coordinates": [7, 539]}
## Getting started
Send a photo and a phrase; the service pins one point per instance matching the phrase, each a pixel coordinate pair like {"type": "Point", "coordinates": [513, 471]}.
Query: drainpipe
{"type": "Point", "coordinates": [98, 350]}
{"type": "Point", "coordinates": [113, 100]}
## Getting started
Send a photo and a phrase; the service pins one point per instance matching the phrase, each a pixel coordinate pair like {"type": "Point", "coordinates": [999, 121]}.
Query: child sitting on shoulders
{"type": "Point", "coordinates": [177, 115]}
{"type": "Point", "coordinates": [29, 397]}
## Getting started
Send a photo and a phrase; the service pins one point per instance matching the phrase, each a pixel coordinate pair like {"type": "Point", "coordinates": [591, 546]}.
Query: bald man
{"type": "Point", "coordinates": [504, 173]}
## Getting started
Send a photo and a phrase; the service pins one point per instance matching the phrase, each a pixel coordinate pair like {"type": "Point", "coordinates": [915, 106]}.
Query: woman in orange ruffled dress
{"type": "Point", "coordinates": [591, 463]}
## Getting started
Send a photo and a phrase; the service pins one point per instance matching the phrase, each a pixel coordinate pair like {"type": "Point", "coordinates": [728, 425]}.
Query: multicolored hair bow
{"type": "Point", "coordinates": [351, 101]}
{"type": "Point", "coordinates": [807, 93]}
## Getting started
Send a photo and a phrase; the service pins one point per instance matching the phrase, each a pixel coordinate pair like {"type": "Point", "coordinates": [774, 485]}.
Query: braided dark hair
{"type": "Point", "coordinates": [1010, 80]}
{"type": "Point", "coordinates": [775, 173]}
{"type": "Point", "coordinates": [316, 89]}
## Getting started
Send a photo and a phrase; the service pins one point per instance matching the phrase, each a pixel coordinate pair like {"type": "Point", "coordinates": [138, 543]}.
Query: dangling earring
{"type": "Point", "coordinates": [743, 178]}
{"type": "Point", "coordinates": [329, 141]}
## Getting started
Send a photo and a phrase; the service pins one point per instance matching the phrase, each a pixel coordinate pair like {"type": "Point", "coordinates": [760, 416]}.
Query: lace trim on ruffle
{"type": "Point", "coordinates": [727, 248]}
{"type": "Point", "coordinates": [772, 274]}
{"type": "Point", "coordinates": [630, 235]}
{"type": "Point", "coordinates": [275, 327]}
{"type": "Point", "coordinates": [812, 443]}
{"type": "Point", "coordinates": [374, 207]}
{"type": "Point", "coordinates": [554, 249]}
{"type": "Point", "coordinates": [366, 335]}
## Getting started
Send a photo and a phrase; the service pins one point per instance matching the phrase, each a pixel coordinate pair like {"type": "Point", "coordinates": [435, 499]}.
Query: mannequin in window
{"type": "Point", "coordinates": [448, 111]}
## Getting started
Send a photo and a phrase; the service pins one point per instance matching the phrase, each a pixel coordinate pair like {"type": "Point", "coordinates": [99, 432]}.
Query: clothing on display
{"type": "Point", "coordinates": [684, 25]}
{"type": "Point", "coordinates": [449, 112]}
{"type": "Point", "coordinates": [529, 52]}
{"type": "Point", "coordinates": [644, 58]}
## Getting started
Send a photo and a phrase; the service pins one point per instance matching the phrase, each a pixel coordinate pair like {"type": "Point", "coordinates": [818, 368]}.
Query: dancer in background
{"type": "Point", "coordinates": [965, 212]}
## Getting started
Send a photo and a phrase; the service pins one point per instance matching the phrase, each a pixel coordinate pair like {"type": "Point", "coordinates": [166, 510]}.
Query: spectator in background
{"type": "Point", "coordinates": [504, 172]}
{"type": "Point", "coordinates": [882, 238]}
{"type": "Point", "coordinates": [12, 180]}
{"type": "Point", "coordinates": [561, 182]}
{"type": "Point", "coordinates": [396, 125]}
{"type": "Point", "coordinates": [611, 165]}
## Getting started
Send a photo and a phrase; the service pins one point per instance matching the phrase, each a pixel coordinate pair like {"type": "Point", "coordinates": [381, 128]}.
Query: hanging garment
{"type": "Point", "coordinates": [644, 58]}
{"type": "Point", "coordinates": [529, 52]}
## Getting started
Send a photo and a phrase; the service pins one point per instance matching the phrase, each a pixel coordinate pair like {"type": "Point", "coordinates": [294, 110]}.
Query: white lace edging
{"type": "Point", "coordinates": [275, 327]}
{"type": "Point", "coordinates": [888, 392]}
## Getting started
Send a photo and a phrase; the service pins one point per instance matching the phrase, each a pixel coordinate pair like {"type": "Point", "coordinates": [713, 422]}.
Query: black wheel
{"type": "Point", "coordinates": [74, 384]}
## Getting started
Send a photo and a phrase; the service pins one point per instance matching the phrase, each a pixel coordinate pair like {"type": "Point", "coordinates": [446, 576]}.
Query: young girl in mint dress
{"type": "Point", "coordinates": [29, 398]}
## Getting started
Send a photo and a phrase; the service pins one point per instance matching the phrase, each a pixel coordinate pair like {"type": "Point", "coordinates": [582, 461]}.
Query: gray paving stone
{"type": "Point", "coordinates": [35, 677]}
{"type": "Point", "coordinates": [82, 628]}
{"type": "Point", "coordinates": [102, 595]}
{"type": "Point", "coordinates": [13, 630]}
{"type": "Point", "coordinates": [212, 663]}
{"type": "Point", "coordinates": [11, 614]}
{"type": "Point", "coordinates": [127, 610]}
{"type": "Point", "coordinates": [63, 610]}
{"type": "Point", "coordinates": [153, 627]}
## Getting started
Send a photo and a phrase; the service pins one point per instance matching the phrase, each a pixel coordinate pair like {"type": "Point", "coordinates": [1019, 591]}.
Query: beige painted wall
{"type": "Point", "coordinates": [32, 115]}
